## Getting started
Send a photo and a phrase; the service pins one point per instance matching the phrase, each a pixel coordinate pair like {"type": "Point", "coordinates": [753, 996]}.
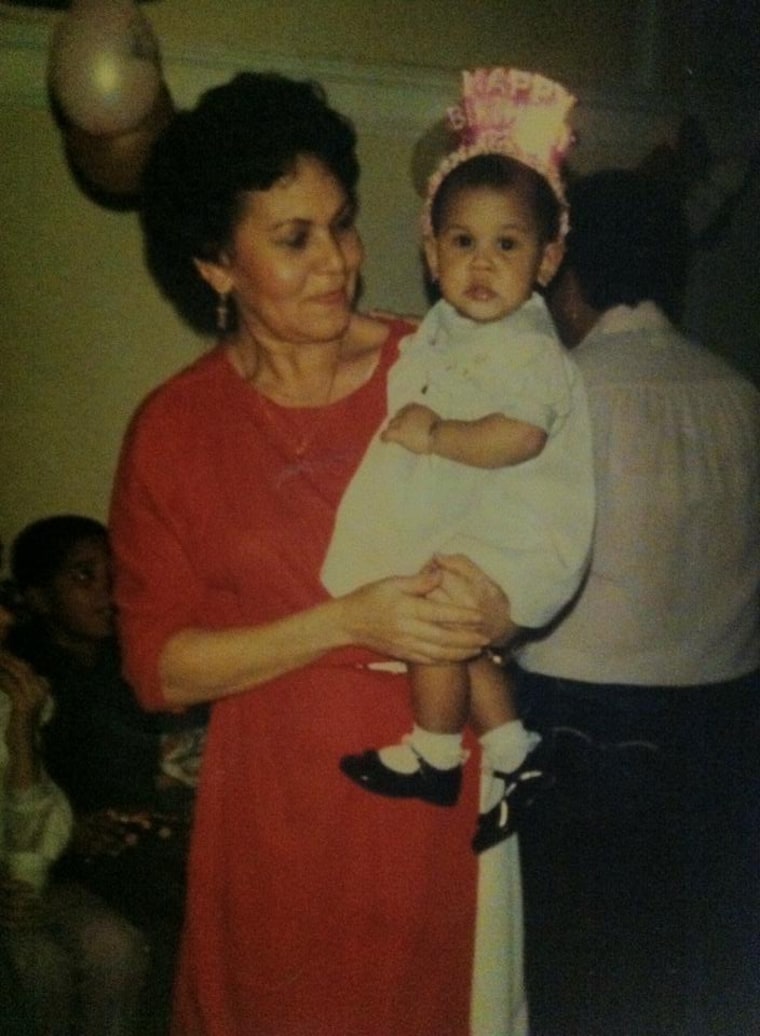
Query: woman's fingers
{"type": "Point", "coordinates": [465, 582]}
{"type": "Point", "coordinates": [395, 617]}
{"type": "Point", "coordinates": [412, 597]}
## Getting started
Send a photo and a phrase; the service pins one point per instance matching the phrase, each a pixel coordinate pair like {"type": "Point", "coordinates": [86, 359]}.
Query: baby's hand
{"type": "Point", "coordinates": [412, 428]}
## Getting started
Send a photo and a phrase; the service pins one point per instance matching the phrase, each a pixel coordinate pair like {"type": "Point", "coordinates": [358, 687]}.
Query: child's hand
{"type": "Point", "coordinates": [20, 904]}
{"type": "Point", "coordinates": [111, 832]}
{"type": "Point", "coordinates": [27, 691]}
{"type": "Point", "coordinates": [412, 427]}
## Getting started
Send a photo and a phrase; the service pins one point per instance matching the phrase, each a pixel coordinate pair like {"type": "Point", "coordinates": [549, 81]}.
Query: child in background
{"type": "Point", "coordinates": [77, 966]}
{"type": "Point", "coordinates": [488, 453]}
{"type": "Point", "coordinates": [101, 747]}
{"type": "Point", "coordinates": [129, 775]}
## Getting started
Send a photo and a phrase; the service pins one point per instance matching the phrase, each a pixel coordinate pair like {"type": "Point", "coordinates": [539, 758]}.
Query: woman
{"type": "Point", "coordinates": [310, 910]}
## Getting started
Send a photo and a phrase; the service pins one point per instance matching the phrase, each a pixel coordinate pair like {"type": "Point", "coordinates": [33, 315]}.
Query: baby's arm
{"type": "Point", "coordinates": [494, 441]}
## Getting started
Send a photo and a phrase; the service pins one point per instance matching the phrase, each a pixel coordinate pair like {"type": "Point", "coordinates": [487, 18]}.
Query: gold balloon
{"type": "Point", "coordinates": [113, 163]}
{"type": "Point", "coordinates": [104, 66]}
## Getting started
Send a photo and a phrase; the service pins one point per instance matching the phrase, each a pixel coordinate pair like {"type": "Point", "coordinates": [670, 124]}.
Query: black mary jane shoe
{"type": "Point", "coordinates": [521, 788]}
{"type": "Point", "coordinates": [438, 787]}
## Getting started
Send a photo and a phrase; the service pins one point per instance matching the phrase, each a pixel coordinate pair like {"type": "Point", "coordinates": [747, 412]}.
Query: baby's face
{"type": "Point", "coordinates": [487, 256]}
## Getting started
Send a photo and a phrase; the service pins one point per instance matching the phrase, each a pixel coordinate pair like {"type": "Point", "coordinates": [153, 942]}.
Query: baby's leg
{"type": "Point", "coordinates": [440, 703]}
{"type": "Point", "coordinates": [511, 778]}
{"type": "Point", "coordinates": [440, 697]}
{"type": "Point", "coordinates": [426, 763]}
{"type": "Point", "coordinates": [492, 696]}
{"type": "Point", "coordinates": [493, 715]}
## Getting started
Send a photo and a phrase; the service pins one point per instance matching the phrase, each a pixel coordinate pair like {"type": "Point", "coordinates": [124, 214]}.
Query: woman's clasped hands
{"type": "Point", "coordinates": [448, 612]}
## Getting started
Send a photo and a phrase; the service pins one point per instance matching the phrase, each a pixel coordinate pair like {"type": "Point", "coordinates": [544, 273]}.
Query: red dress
{"type": "Point", "coordinates": [314, 908]}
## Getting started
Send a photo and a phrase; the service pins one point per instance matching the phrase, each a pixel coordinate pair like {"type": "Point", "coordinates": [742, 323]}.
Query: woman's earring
{"type": "Point", "coordinates": [222, 312]}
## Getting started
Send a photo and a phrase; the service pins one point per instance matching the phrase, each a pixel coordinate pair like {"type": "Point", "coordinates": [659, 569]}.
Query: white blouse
{"type": "Point", "coordinates": [672, 596]}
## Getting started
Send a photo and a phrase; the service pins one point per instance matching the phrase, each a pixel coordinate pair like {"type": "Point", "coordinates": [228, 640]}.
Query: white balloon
{"type": "Point", "coordinates": [104, 65]}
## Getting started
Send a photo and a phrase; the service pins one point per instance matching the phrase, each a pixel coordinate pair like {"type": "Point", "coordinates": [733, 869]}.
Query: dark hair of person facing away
{"type": "Point", "coordinates": [242, 136]}
{"type": "Point", "coordinates": [500, 172]}
{"type": "Point", "coordinates": [40, 550]}
{"type": "Point", "coordinates": [628, 241]}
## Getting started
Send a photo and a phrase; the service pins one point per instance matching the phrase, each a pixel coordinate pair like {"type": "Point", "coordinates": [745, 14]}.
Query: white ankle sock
{"type": "Point", "coordinates": [504, 749]}
{"type": "Point", "coordinates": [444, 751]}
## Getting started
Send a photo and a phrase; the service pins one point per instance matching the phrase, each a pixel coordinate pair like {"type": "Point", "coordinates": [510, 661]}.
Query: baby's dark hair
{"type": "Point", "coordinates": [40, 549]}
{"type": "Point", "coordinates": [241, 136]}
{"type": "Point", "coordinates": [500, 172]}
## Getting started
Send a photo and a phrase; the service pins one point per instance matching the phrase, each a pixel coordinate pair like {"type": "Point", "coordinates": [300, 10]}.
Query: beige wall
{"type": "Point", "coordinates": [83, 334]}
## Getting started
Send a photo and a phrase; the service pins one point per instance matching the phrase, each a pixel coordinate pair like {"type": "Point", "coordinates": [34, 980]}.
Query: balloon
{"type": "Point", "coordinates": [113, 164]}
{"type": "Point", "coordinates": [104, 65]}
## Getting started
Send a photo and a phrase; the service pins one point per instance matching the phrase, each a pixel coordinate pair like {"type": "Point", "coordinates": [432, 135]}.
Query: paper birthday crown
{"type": "Point", "coordinates": [505, 111]}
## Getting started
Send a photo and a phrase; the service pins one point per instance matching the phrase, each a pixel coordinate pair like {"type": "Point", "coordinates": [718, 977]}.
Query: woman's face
{"type": "Point", "coordinates": [294, 264]}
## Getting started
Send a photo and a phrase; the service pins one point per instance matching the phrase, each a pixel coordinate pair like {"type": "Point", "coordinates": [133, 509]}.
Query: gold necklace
{"type": "Point", "coordinates": [270, 407]}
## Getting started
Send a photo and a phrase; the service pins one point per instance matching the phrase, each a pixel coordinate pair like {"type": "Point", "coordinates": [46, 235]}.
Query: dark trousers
{"type": "Point", "coordinates": [641, 865]}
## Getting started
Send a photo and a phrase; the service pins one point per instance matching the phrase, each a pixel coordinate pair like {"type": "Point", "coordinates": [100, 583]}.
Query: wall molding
{"type": "Point", "coordinates": [404, 97]}
{"type": "Point", "coordinates": [616, 124]}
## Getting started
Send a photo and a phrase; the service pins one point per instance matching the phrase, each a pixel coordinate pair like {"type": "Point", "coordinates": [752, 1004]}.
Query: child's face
{"type": "Point", "coordinates": [77, 602]}
{"type": "Point", "coordinates": [487, 256]}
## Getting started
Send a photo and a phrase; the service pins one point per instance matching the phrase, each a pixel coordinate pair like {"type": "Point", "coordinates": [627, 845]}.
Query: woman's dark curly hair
{"type": "Point", "coordinates": [240, 137]}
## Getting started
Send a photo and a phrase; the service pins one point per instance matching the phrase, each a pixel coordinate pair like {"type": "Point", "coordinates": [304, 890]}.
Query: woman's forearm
{"type": "Point", "coordinates": [393, 617]}
{"type": "Point", "coordinates": [203, 665]}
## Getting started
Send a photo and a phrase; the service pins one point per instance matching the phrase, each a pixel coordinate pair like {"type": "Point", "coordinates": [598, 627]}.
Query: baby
{"type": "Point", "coordinates": [488, 453]}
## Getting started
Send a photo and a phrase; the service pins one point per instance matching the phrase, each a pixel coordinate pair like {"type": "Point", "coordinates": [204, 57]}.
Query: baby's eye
{"type": "Point", "coordinates": [506, 244]}
{"type": "Point", "coordinates": [461, 240]}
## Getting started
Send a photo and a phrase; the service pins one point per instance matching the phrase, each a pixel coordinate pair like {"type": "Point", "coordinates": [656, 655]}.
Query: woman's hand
{"type": "Point", "coordinates": [461, 581]}
{"type": "Point", "coordinates": [402, 618]}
